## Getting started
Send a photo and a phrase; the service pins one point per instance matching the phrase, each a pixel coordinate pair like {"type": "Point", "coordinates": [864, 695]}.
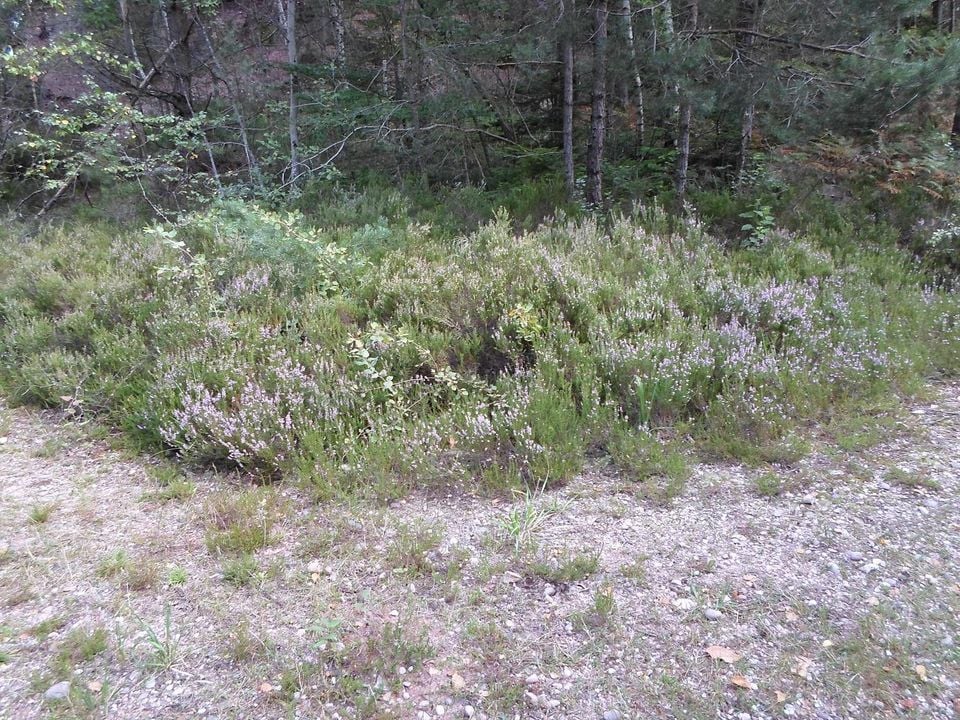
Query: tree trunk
{"type": "Point", "coordinates": [598, 114]}
{"type": "Point", "coordinates": [685, 113]}
{"type": "Point", "coordinates": [627, 9]}
{"type": "Point", "coordinates": [293, 119]}
{"type": "Point", "coordinates": [748, 20]}
{"type": "Point", "coordinates": [955, 128]}
{"type": "Point", "coordinates": [339, 44]}
{"type": "Point", "coordinates": [566, 51]}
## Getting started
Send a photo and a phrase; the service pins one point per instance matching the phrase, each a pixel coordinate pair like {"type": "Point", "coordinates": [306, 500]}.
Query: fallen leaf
{"type": "Point", "coordinates": [94, 686]}
{"type": "Point", "coordinates": [791, 616]}
{"type": "Point", "coordinates": [781, 697]}
{"type": "Point", "coordinates": [719, 652]}
{"type": "Point", "coordinates": [266, 688]}
{"type": "Point", "coordinates": [742, 682]}
{"type": "Point", "coordinates": [908, 703]}
{"type": "Point", "coordinates": [802, 668]}
{"type": "Point", "coordinates": [458, 682]}
{"type": "Point", "coordinates": [921, 672]}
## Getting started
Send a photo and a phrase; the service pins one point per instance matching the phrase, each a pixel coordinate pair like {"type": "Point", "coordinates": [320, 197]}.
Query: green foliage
{"type": "Point", "coordinates": [241, 571]}
{"type": "Point", "coordinates": [567, 569]}
{"type": "Point", "coordinates": [496, 360]}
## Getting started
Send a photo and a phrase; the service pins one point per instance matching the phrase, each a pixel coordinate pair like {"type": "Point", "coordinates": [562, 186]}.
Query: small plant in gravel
{"type": "Point", "coordinates": [179, 489]}
{"type": "Point", "coordinates": [601, 613]}
{"type": "Point", "coordinates": [40, 514]}
{"type": "Point", "coordinates": [114, 564]}
{"type": "Point", "coordinates": [176, 576]}
{"type": "Point", "coordinates": [80, 646]}
{"type": "Point", "coordinates": [242, 645]}
{"type": "Point", "coordinates": [172, 484]}
{"type": "Point", "coordinates": [294, 679]}
{"type": "Point", "coordinates": [163, 642]}
{"type": "Point", "coordinates": [5, 657]}
{"type": "Point", "coordinates": [410, 550]}
{"type": "Point", "coordinates": [487, 638]}
{"type": "Point", "coordinates": [141, 574]}
{"type": "Point", "coordinates": [523, 522]}
{"type": "Point", "coordinates": [768, 484]}
{"type": "Point", "coordinates": [325, 631]}
{"type": "Point", "coordinates": [568, 569]}
{"type": "Point", "coordinates": [42, 630]}
{"type": "Point", "coordinates": [240, 571]}
{"type": "Point", "coordinates": [134, 574]}
{"type": "Point", "coordinates": [911, 479]}
{"type": "Point", "coordinates": [241, 522]}
{"type": "Point", "coordinates": [636, 571]}
{"type": "Point", "coordinates": [397, 645]}
{"type": "Point", "coordinates": [50, 448]}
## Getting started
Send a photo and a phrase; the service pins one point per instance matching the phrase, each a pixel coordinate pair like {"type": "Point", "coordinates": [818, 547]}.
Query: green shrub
{"type": "Point", "coordinates": [382, 356]}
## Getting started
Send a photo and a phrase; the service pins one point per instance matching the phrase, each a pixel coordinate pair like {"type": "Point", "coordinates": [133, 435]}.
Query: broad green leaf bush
{"type": "Point", "coordinates": [247, 338]}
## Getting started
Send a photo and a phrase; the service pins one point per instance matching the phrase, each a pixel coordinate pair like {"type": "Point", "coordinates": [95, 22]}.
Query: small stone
{"type": "Point", "coordinates": [549, 590]}
{"type": "Point", "coordinates": [553, 703]}
{"type": "Point", "coordinates": [743, 716]}
{"type": "Point", "coordinates": [854, 556]}
{"type": "Point", "coordinates": [533, 679]}
{"type": "Point", "coordinates": [611, 715]}
{"type": "Point", "coordinates": [150, 683]}
{"type": "Point", "coordinates": [468, 711]}
{"type": "Point", "coordinates": [807, 500]}
{"type": "Point", "coordinates": [440, 710]}
{"type": "Point", "coordinates": [834, 568]}
{"type": "Point", "coordinates": [684, 604]}
{"type": "Point", "coordinates": [712, 614]}
{"type": "Point", "coordinates": [58, 691]}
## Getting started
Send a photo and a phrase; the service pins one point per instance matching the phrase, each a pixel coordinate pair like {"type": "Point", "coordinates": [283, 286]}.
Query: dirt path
{"type": "Point", "coordinates": [836, 598]}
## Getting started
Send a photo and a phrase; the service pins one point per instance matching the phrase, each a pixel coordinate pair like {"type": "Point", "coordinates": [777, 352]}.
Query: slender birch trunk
{"type": "Point", "coordinates": [293, 118]}
{"type": "Point", "coordinates": [339, 43]}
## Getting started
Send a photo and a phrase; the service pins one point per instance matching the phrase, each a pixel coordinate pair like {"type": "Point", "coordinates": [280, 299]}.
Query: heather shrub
{"type": "Point", "coordinates": [247, 338]}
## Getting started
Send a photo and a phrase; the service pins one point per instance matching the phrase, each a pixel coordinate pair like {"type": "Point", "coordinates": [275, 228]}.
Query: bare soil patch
{"type": "Point", "coordinates": [827, 590]}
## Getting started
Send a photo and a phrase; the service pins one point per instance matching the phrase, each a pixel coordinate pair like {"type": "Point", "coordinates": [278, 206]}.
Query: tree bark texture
{"type": "Point", "coordinates": [598, 113]}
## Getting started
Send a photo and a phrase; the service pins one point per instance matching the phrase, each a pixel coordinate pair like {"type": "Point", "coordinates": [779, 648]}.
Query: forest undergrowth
{"type": "Point", "coordinates": [494, 360]}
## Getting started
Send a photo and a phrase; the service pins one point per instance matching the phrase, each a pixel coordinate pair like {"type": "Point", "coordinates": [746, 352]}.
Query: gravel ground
{"type": "Point", "coordinates": [827, 590]}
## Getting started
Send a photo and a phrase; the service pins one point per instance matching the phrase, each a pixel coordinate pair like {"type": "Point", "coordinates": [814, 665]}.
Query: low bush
{"type": "Point", "coordinates": [497, 359]}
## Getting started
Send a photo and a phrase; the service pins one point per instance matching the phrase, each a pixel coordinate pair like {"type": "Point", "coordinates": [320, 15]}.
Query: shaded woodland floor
{"type": "Point", "coordinates": [829, 589]}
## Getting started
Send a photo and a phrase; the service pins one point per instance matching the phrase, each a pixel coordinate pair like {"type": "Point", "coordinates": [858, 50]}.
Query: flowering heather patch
{"type": "Point", "coordinates": [245, 337]}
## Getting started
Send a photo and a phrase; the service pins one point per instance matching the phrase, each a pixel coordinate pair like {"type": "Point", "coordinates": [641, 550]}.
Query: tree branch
{"type": "Point", "coordinates": [780, 40]}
